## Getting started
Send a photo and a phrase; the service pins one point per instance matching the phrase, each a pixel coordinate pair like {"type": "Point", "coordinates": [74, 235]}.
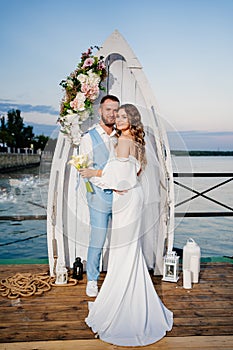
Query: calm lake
{"type": "Point", "coordinates": [25, 193]}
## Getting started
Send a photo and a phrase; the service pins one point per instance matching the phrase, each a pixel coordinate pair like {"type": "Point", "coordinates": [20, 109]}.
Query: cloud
{"type": "Point", "coordinates": [45, 129]}
{"type": "Point", "coordinates": [6, 105]}
{"type": "Point", "coordinates": [40, 118]}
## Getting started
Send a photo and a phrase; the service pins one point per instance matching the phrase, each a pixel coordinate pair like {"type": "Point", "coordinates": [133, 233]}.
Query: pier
{"type": "Point", "coordinates": [203, 315]}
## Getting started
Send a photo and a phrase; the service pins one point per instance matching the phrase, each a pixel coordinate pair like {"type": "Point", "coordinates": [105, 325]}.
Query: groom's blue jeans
{"type": "Point", "coordinates": [100, 208]}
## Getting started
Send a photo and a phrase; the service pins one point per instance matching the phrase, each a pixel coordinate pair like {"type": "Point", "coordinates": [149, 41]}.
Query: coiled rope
{"type": "Point", "coordinates": [27, 284]}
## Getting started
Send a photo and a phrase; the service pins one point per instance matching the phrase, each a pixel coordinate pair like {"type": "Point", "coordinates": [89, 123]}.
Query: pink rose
{"type": "Point", "coordinates": [90, 91]}
{"type": "Point", "coordinates": [74, 104]}
{"type": "Point", "coordinates": [78, 103]}
{"type": "Point", "coordinates": [93, 93]}
{"type": "Point", "coordinates": [88, 62]}
{"type": "Point", "coordinates": [85, 88]}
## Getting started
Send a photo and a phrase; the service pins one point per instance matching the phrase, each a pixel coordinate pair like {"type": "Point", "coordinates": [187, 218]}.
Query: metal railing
{"type": "Point", "coordinates": [197, 194]}
{"type": "Point", "coordinates": [228, 212]}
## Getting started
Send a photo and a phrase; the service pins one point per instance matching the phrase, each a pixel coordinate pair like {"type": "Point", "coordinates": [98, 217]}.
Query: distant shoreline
{"type": "Point", "coordinates": [202, 153]}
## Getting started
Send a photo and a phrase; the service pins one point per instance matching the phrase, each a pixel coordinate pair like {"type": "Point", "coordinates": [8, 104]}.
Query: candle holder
{"type": "Point", "coordinates": [78, 269]}
{"type": "Point", "coordinates": [187, 283]}
{"type": "Point", "coordinates": [191, 259]}
{"type": "Point", "coordinates": [61, 274]}
{"type": "Point", "coordinates": [171, 267]}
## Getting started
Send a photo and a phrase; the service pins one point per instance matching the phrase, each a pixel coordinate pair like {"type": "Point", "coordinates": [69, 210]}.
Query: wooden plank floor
{"type": "Point", "coordinates": [58, 315]}
{"type": "Point", "coordinates": [167, 343]}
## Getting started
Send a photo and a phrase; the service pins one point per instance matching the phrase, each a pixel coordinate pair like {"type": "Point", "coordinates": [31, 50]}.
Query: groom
{"type": "Point", "coordinates": [98, 143]}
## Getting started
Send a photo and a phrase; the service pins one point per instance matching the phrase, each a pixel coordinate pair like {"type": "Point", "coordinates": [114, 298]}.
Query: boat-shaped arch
{"type": "Point", "coordinates": [128, 82]}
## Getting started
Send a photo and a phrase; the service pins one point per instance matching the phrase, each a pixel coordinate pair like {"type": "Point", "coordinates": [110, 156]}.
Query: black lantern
{"type": "Point", "coordinates": [78, 269]}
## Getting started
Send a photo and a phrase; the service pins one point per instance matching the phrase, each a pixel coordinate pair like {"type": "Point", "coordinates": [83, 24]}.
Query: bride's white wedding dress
{"type": "Point", "coordinates": [127, 310]}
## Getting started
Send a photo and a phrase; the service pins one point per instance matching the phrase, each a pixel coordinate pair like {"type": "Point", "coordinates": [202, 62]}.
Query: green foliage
{"type": "Point", "coordinates": [40, 142]}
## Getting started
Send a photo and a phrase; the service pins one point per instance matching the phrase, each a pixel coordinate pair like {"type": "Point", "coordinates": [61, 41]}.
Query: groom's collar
{"type": "Point", "coordinates": [101, 131]}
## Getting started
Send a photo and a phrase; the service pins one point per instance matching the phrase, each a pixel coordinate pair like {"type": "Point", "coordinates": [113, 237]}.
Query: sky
{"type": "Point", "coordinates": [184, 46]}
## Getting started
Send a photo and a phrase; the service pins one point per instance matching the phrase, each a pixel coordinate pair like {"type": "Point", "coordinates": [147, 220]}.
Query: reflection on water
{"type": "Point", "coordinates": [24, 193]}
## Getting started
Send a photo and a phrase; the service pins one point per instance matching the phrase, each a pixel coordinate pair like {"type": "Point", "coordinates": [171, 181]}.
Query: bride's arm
{"type": "Point", "coordinates": [122, 151]}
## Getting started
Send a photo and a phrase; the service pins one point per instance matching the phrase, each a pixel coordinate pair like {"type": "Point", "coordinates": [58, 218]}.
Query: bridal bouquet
{"type": "Point", "coordinates": [82, 88]}
{"type": "Point", "coordinates": [80, 162]}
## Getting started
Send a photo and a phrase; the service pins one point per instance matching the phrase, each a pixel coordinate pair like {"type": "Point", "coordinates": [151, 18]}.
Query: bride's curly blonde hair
{"type": "Point", "coordinates": [136, 129]}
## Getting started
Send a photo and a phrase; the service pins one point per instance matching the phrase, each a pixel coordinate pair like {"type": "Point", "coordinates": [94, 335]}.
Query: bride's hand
{"type": "Point", "coordinates": [86, 172]}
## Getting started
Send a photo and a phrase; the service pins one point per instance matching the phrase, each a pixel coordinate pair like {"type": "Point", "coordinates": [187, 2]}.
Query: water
{"type": "Point", "coordinates": [25, 193]}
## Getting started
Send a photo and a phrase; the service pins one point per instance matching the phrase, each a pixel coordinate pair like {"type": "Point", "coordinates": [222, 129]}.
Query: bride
{"type": "Point", "coordinates": [127, 310]}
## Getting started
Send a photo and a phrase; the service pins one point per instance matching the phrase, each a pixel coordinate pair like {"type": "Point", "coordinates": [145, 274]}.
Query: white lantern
{"type": "Point", "coordinates": [171, 267]}
{"type": "Point", "coordinates": [61, 274]}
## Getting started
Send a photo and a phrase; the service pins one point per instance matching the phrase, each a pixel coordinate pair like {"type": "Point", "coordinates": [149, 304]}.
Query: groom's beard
{"type": "Point", "coordinates": [107, 123]}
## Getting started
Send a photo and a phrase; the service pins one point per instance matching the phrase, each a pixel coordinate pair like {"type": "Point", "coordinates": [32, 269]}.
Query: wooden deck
{"type": "Point", "coordinates": [203, 316]}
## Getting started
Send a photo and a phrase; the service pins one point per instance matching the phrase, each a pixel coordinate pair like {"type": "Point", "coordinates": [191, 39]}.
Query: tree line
{"type": "Point", "coordinates": [197, 153]}
{"type": "Point", "coordinates": [14, 134]}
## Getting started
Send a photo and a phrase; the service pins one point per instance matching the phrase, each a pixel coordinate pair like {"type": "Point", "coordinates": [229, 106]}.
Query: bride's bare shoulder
{"type": "Point", "coordinates": [123, 146]}
{"type": "Point", "coordinates": [126, 138]}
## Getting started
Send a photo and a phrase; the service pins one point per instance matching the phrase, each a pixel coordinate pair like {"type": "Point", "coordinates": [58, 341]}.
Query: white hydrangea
{"type": "Point", "coordinates": [83, 78]}
{"type": "Point", "coordinates": [94, 79]}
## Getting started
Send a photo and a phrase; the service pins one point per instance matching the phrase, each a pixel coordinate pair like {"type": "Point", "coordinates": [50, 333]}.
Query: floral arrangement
{"type": "Point", "coordinates": [82, 88]}
{"type": "Point", "coordinates": [79, 162]}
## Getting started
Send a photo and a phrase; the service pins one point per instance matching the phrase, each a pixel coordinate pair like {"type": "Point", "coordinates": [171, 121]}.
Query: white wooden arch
{"type": "Point", "coordinates": [126, 80]}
